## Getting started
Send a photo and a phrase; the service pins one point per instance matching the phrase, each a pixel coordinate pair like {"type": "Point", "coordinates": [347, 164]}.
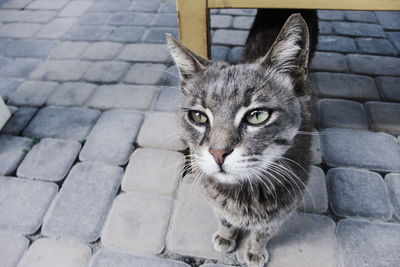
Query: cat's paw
{"type": "Point", "coordinates": [222, 244]}
{"type": "Point", "coordinates": [258, 259]}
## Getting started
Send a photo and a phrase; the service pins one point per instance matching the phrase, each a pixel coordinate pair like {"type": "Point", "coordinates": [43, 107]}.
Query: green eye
{"type": "Point", "coordinates": [256, 117]}
{"type": "Point", "coordinates": [198, 117]}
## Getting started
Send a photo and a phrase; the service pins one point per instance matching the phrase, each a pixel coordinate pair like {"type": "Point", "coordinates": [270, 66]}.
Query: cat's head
{"type": "Point", "coordinates": [238, 119]}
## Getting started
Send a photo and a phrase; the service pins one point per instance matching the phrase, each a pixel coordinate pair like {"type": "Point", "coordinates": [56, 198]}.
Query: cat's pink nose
{"type": "Point", "coordinates": [220, 155]}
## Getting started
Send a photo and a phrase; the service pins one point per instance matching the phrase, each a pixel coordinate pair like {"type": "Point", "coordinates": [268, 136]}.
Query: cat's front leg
{"type": "Point", "coordinates": [255, 252]}
{"type": "Point", "coordinates": [224, 239]}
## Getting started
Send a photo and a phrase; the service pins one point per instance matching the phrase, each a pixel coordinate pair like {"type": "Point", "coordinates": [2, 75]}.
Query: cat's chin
{"type": "Point", "coordinates": [225, 178]}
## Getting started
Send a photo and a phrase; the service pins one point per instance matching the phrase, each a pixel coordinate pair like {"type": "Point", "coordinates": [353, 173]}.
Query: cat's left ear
{"type": "Point", "coordinates": [189, 64]}
{"type": "Point", "coordinates": [289, 52]}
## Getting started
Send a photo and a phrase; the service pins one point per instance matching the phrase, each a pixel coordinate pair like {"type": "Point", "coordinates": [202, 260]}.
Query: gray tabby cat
{"type": "Point", "coordinates": [245, 125]}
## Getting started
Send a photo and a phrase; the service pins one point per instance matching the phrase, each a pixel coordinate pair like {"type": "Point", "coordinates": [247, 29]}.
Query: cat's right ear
{"type": "Point", "coordinates": [189, 64]}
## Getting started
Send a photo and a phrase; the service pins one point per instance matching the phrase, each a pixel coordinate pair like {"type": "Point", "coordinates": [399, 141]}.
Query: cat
{"type": "Point", "coordinates": [246, 126]}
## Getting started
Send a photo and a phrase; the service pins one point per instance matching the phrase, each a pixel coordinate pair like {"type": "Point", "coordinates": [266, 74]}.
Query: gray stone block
{"type": "Point", "coordinates": [24, 203]}
{"type": "Point", "coordinates": [358, 29]}
{"type": "Point", "coordinates": [219, 52]}
{"type": "Point", "coordinates": [56, 29]}
{"type": "Point", "coordinates": [221, 21]}
{"type": "Point", "coordinates": [122, 96]}
{"type": "Point", "coordinates": [49, 252]}
{"type": "Point", "coordinates": [12, 246]}
{"type": "Point", "coordinates": [19, 120]}
{"type": "Point", "coordinates": [336, 44]}
{"type": "Point", "coordinates": [151, 74]}
{"type": "Point", "coordinates": [235, 54]}
{"type": "Point", "coordinates": [376, 46]}
{"type": "Point", "coordinates": [171, 76]}
{"type": "Point", "coordinates": [153, 171]}
{"type": "Point", "coordinates": [71, 94]}
{"type": "Point", "coordinates": [361, 16]}
{"type": "Point", "coordinates": [47, 4]}
{"type": "Point", "coordinates": [88, 33]}
{"type": "Point", "coordinates": [19, 67]}
{"type": "Point", "coordinates": [131, 19]}
{"type": "Point", "coordinates": [145, 52]}
{"type": "Point", "coordinates": [68, 50]}
{"type": "Point", "coordinates": [60, 70]}
{"type": "Point", "coordinates": [315, 196]}
{"type": "Point", "coordinates": [329, 62]}
{"type": "Point", "coordinates": [25, 48]}
{"type": "Point", "coordinates": [16, 4]}
{"type": "Point", "coordinates": [389, 88]}
{"type": "Point", "coordinates": [19, 30]}
{"type": "Point", "coordinates": [75, 9]}
{"type": "Point", "coordinates": [145, 6]}
{"type": "Point", "coordinates": [102, 51]}
{"type": "Point", "coordinates": [32, 93]}
{"type": "Point", "coordinates": [309, 240]}
{"type": "Point", "coordinates": [111, 139]}
{"type": "Point", "coordinates": [49, 160]}
{"type": "Point", "coordinates": [81, 206]}
{"type": "Point", "coordinates": [331, 14]}
{"type": "Point", "coordinates": [395, 38]}
{"type": "Point", "coordinates": [316, 155]}
{"type": "Point", "coordinates": [384, 116]}
{"type": "Point", "coordinates": [359, 193]}
{"type": "Point", "coordinates": [374, 151]}
{"type": "Point", "coordinates": [347, 86]}
{"type": "Point", "coordinates": [238, 11]}
{"type": "Point", "coordinates": [7, 86]}
{"type": "Point", "coordinates": [393, 185]}
{"type": "Point", "coordinates": [59, 122]}
{"type": "Point", "coordinates": [39, 16]}
{"type": "Point", "coordinates": [160, 130]}
{"type": "Point", "coordinates": [127, 34]}
{"type": "Point", "coordinates": [243, 22]}
{"type": "Point", "coordinates": [95, 18]}
{"type": "Point", "coordinates": [341, 113]}
{"type": "Point", "coordinates": [389, 20]}
{"type": "Point", "coordinates": [230, 37]}
{"type": "Point", "coordinates": [106, 258]}
{"type": "Point", "coordinates": [110, 6]}
{"type": "Point", "coordinates": [106, 71]}
{"type": "Point", "coordinates": [12, 152]}
{"type": "Point", "coordinates": [375, 65]}
{"type": "Point", "coordinates": [168, 99]}
{"type": "Point", "coordinates": [158, 35]}
{"type": "Point", "coordinates": [325, 27]}
{"type": "Point", "coordinates": [368, 243]}
{"type": "Point", "coordinates": [166, 20]}
{"type": "Point", "coordinates": [151, 213]}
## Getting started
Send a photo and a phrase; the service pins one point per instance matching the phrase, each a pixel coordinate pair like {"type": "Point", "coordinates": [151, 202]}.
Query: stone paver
{"type": "Point", "coordinates": [71, 94]}
{"type": "Point", "coordinates": [127, 34]}
{"type": "Point", "coordinates": [331, 14]}
{"type": "Point", "coordinates": [219, 53]}
{"type": "Point", "coordinates": [40, 16]}
{"type": "Point", "coordinates": [393, 185]}
{"type": "Point", "coordinates": [316, 154]}
{"type": "Point", "coordinates": [230, 37]}
{"type": "Point", "coordinates": [362, 16]}
{"type": "Point", "coordinates": [358, 193]}
{"type": "Point", "coordinates": [343, 147]}
{"type": "Point", "coordinates": [56, 29]}
{"type": "Point", "coordinates": [145, 52]}
{"type": "Point", "coordinates": [110, 6]}
{"type": "Point", "coordinates": [12, 152]}
{"type": "Point", "coordinates": [145, 6]}
{"type": "Point", "coordinates": [374, 65]}
{"type": "Point", "coordinates": [167, 99]}
{"type": "Point", "coordinates": [95, 18]}
{"type": "Point", "coordinates": [111, 139]}
{"type": "Point", "coordinates": [25, 48]}
{"type": "Point", "coordinates": [171, 77]}
{"type": "Point", "coordinates": [102, 51]}
{"type": "Point", "coordinates": [33, 93]}
{"type": "Point", "coordinates": [341, 113]}
{"type": "Point", "coordinates": [158, 35]}
{"type": "Point", "coordinates": [358, 29]}
{"type": "Point", "coordinates": [106, 71]}
{"type": "Point", "coordinates": [49, 160]}
{"type": "Point", "coordinates": [19, 67]}
{"type": "Point", "coordinates": [389, 20]}
{"type": "Point", "coordinates": [7, 86]}
{"type": "Point", "coordinates": [145, 74]}
{"type": "Point", "coordinates": [389, 88]}
{"type": "Point", "coordinates": [46, 252]}
{"type": "Point", "coordinates": [12, 247]}
{"type": "Point", "coordinates": [130, 18]}
{"type": "Point", "coordinates": [65, 123]}
{"type": "Point", "coordinates": [329, 62]}
{"type": "Point", "coordinates": [160, 130]}
{"type": "Point", "coordinates": [316, 195]}
{"type": "Point", "coordinates": [153, 171]}
{"type": "Point", "coordinates": [167, 20]}
{"type": "Point", "coordinates": [19, 30]}
{"type": "Point", "coordinates": [60, 70]}
{"type": "Point", "coordinates": [68, 50]}
{"type": "Point", "coordinates": [19, 120]}
{"type": "Point", "coordinates": [336, 43]}
{"type": "Point", "coordinates": [376, 46]}
{"type": "Point", "coordinates": [122, 96]}
{"type": "Point", "coordinates": [88, 33]}
{"type": "Point", "coordinates": [368, 243]}
{"type": "Point", "coordinates": [80, 208]}
{"type": "Point", "coordinates": [347, 86]}
{"type": "Point", "coordinates": [150, 224]}
{"type": "Point", "coordinates": [24, 203]}
{"type": "Point", "coordinates": [384, 116]}
{"type": "Point", "coordinates": [47, 4]}
{"type": "Point", "coordinates": [106, 258]}
{"type": "Point", "coordinates": [75, 9]}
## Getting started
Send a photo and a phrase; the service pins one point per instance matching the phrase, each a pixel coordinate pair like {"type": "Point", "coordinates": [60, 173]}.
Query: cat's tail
{"type": "Point", "coordinates": [266, 27]}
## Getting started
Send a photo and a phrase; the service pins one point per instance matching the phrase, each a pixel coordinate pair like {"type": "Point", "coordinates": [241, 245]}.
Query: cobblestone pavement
{"type": "Point", "coordinates": [91, 164]}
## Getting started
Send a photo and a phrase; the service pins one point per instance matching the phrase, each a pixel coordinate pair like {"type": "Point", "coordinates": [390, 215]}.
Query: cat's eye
{"type": "Point", "coordinates": [257, 117]}
{"type": "Point", "coordinates": [198, 117]}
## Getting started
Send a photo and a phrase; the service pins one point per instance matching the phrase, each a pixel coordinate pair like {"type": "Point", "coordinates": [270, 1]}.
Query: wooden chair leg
{"type": "Point", "coordinates": [194, 20]}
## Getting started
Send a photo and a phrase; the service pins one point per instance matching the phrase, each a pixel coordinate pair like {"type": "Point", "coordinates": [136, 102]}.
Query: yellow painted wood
{"type": "Point", "coordinates": [4, 113]}
{"type": "Point", "coordinates": [306, 4]}
{"type": "Point", "coordinates": [193, 20]}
